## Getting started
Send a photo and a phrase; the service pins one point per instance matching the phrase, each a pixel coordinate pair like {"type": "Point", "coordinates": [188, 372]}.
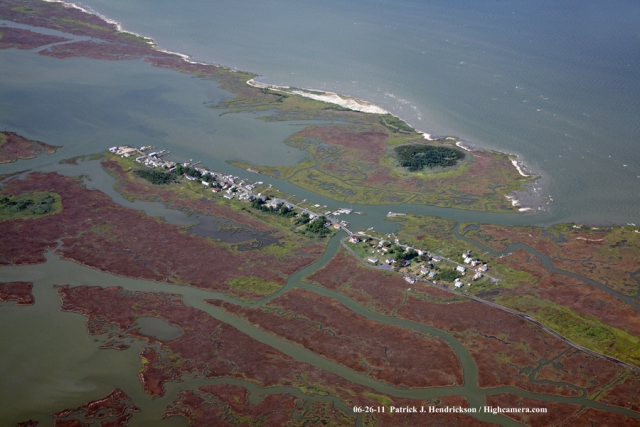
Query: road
{"type": "Point", "coordinates": [508, 310]}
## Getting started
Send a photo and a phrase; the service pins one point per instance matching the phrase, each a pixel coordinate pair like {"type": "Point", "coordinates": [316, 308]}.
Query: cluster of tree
{"type": "Point", "coordinates": [186, 170]}
{"type": "Point", "coordinates": [160, 177]}
{"type": "Point", "coordinates": [302, 219]}
{"type": "Point", "coordinates": [155, 176]}
{"type": "Point", "coordinates": [403, 255]}
{"type": "Point", "coordinates": [416, 157]}
{"type": "Point", "coordinates": [317, 226]}
{"type": "Point", "coordinates": [13, 204]}
{"type": "Point", "coordinates": [280, 209]}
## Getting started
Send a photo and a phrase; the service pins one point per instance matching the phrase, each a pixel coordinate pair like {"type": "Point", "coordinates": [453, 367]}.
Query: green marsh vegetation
{"type": "Point", "coordinates": [29, 205]}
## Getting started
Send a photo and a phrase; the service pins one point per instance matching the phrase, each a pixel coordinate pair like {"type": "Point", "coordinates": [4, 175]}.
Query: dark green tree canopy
{"type": "Point", "coordinates": [416, 157]}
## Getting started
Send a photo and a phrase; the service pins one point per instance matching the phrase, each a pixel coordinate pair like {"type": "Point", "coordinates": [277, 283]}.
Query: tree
{"type": "Point", "coordinates": [302, 219]}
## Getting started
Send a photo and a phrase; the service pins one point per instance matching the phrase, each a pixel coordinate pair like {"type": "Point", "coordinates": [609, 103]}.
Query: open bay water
{"type": "Point", "coordinates": [556, 82]}
{"type": "Point", "coordinates": [87, 106]}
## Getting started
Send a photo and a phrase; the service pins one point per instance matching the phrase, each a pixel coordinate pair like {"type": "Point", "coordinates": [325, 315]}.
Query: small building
{"type": "Point", "coordinates": [483, 268]}
{"type": "Point", "coordinates": [228, 196]}
{"type": "Point", "coordinates": [354, 239]}
{"type": "Point", "coordinates": [436, 258]}
{"type": "Point", "coordinates": [372, 260]}
{"type": "Point", "coordinates": [433, 274]}
{"type": "Point", "coordinates": [468, 260]}
{"type": "Point", "coordinates": [390, 261]}
{"type": "Point", "coordinates": [477, 276]}
{"type": "Point", "coordinates": [206, 184]}
{"type": "Point", "coordinates": [461, 269]}
{"type": "Point", "coordinates": [424, 271]}
{"type": "Point", "coordinates": [458, 283]}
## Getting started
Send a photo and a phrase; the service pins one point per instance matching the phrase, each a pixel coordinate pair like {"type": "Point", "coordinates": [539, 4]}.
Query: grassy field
{"type": "Point", "coordinates": [357, 163]}
{"type": "Point", "coordinates": [29, 205]}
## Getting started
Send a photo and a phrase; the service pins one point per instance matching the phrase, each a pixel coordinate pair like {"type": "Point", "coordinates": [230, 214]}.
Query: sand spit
{"type": "Point", "coordinates": [520, 166]}
{"type": "Point", "coordinates": [464, 147]}
{"type": "Point", "coordinates": [351, 103]}
{"type": "Point", "coordinates": [329, 97]}
{"type": "Point", "coordinates": [319, 95]}
{"type": "Point", "coordinates": [515, 202]}
{"type": "Point", "coordinates": [119, 28]}
{"type": "Point", "coordinates": [104, 18]}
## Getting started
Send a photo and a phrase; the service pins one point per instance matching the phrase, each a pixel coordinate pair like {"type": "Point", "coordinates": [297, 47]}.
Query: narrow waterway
{"type": "Point", "coordinates": [546, 262]}
{"type": "Point", "coordinates": [57, 271]}
{"type": "Point", "coordinates": [48, 362]}
{"type": "Point", "coordinates": [101, 363]}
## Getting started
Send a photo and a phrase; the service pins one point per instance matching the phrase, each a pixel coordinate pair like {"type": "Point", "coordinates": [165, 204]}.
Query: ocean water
{"type": "Point", "coordinates": [556, 82]}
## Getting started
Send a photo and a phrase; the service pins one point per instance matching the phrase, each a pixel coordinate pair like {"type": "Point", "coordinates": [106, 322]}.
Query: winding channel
{"type": "Point", "coordinates": [546, 262]}
{"type": "Point", "coordinates": [76, 274]}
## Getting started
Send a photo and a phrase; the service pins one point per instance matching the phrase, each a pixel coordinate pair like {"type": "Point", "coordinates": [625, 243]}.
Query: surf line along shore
{"type": "Point", "coordinates": [144, 47]}
{"type": "Point", "coordinates": [364, 107]}
{"type": "Point", "coordinates": [333, 98]}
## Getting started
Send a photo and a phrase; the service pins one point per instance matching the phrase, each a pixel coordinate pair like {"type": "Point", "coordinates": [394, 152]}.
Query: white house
{"type": "Point", "coordinates": [461, 269]}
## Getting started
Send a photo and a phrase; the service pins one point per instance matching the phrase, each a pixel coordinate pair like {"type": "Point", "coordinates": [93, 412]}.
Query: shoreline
{"type": "Point", "coordinates": [344, 101]}
{"type": "Point", "coordinates": [521, 167]}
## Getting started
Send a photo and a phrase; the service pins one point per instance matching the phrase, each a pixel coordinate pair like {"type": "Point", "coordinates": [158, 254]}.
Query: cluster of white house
{"type": "Point", "coordinates": [476, 265]}
{"type": "Point", "coordinates": [383, 248]}
{"type": "Point", "coordinates": [126, 151]}
{"type": "Point", "coordinates": [232, 186]}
